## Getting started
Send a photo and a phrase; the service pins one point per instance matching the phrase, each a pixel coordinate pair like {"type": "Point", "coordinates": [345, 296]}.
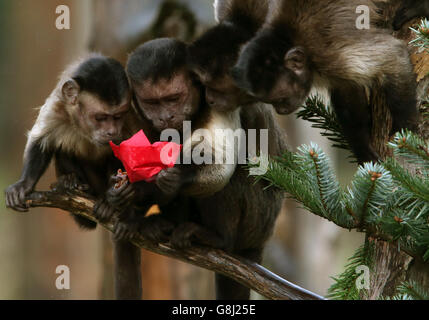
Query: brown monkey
{"type": "Point", "coordinates": [214, 53]}
{"type": "Point", "coordinates": [238, 218]}
{"type": "Point", "coordinates": [312, 43]}
{"type": "Point", "coordinates": [89, 107]}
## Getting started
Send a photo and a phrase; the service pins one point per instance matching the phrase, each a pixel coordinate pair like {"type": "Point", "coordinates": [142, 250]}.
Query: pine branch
{"type": "Point", "coordinates": [412, 148]}
{"type": "Point", "coordinates": [345, 287]}
{"type": "Point", "coordinates": [414, 185]}
{"type": "Point", "coordinates": [411, 291]}
{"type": "Point", "coordinates": [322, 117]}
{"type": "Point", "coordinates": [245, 272]}
{"type": "Point", "coordinates": [371, 187]}
{"type": "Point", "coordinates": [308, 178]}
{"type": "Point", "coordinates": [422, 36]}
{"type": "Point", "coordinates": [384, 200]}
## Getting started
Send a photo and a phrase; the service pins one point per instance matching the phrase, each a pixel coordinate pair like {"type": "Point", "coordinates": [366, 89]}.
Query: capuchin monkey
{"type": "Point", "coordinates": [86, 110]}
{"type": "Point", "coordinates": [410, 9]}
{"type": "Point", "coordinates": [240, 217]}
{"type": "Point", "coordinates": [214, 53]}
{"type": "Point", "coordinates": [313, 43]}
{"type": "Point", "coordinates": [89, 107]}
{"type": "Point", "coordinates": [166, 94]}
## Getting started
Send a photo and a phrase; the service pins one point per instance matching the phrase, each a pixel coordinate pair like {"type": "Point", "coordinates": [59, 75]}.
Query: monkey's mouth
{"type": "Point", "coordinates": [105, 141]}
{"type": "Point", "coordinates": [284, 107]}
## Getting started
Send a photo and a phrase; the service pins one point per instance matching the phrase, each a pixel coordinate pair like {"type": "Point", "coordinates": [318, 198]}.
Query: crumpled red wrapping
{"type": "Point", "coordinates": [143, 160]}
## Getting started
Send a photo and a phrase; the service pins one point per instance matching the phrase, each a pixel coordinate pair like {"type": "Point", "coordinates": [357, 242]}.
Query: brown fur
{"type": "Point", "coordinates": [339, 49]}
{"type": "Point", "coordinates": [225, 9]}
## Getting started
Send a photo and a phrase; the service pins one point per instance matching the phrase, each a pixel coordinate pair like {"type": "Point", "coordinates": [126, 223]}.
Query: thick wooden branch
{"type": "Point", "coordinates": [392, 266]}
{"type": "Point", "coordinates": [246, 272]}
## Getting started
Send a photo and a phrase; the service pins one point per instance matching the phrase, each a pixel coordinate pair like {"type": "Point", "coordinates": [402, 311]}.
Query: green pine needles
{"type": "Point", "coordinates": [422, 35]}
{"type": "Point", "coordinates": [385, 200]}
{"type": "Point", "coordinates": [345, 286]}
{"type": "Point", "coordinates": [324, 118]}
{"type": "Point", "coordinates": [411, 291]}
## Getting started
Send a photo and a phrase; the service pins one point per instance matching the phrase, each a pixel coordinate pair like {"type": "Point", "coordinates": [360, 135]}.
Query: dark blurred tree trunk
{"type": "Point", "coordinates": [392, 266]}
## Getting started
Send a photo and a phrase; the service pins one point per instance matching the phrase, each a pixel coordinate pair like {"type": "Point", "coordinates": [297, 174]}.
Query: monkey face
{"type": "Point", "coordinates": [99, 121]}
{"type": "Point", "coordinates": [221, 93]}
{"type": "Point", "coordinates": [288, 94]}
{"type": "Point", "coordinates": [167, 103]}
{"type": "Point", "coordinates": [226, 99]}
{"type": "Point", "coordinates": [274, 72]}
{"type": "Point", "coordinates": [211, 57]}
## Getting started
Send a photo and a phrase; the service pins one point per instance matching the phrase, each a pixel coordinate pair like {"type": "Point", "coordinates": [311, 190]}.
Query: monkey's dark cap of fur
{"type": "Point", "coordinates": [217, 49]}
{"type": "Point", "coordinates": [103, 77]}
{"type": "Point", "coordinates": [260, 63]}
{"type": "Point", "coordinates": [157, 59]}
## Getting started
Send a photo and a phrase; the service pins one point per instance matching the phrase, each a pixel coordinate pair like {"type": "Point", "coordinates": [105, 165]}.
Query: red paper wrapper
{"type": "Point", "coordinates": [143, 160]}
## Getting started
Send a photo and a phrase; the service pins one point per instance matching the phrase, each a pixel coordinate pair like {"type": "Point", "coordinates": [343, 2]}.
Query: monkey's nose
{"type": "Point", "coordinates": [112, 134]}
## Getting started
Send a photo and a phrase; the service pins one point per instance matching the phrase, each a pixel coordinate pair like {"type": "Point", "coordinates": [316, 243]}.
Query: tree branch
{"type": "Point", "coordinates": [243, 271]}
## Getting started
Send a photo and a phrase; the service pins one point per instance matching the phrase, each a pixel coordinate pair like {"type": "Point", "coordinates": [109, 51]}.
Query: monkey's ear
{"type": "Point", "coordinates": [295, 59]}
{"type": "Point", "coordinates": [70, 91]}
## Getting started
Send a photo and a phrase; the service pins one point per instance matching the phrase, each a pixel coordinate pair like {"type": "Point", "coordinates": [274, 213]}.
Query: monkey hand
{"type": "Point", "coordinates": [122, 194]}
{"type": "Point", "coordinates": [169, 181]}
{"type": "Point", "coordinates": [156, 228]}
{"type": "Point", "coordinates": [125, 230]}
{"type": "Point", "coordinates": [15, 195]}
{"type": "Point", "coordinates": [103, 211]}
{"type": "Point", "coordinates": [189, 232]}
{"type": "Point", "coordinates": [69, 182]}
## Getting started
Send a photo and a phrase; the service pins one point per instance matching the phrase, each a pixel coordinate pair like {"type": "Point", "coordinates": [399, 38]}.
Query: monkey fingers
{"type": "Point", "coordinates": [103, 211]}
{"type": "Point", "coordinates": [156, 228]}
{"type": "Point", "coordinates": [169, 181]}
{"type": "Point", "coordinates": [15, 197]}
{"type": "Point", "coordinates": [13, 203]}
{"type": "Point", "coordinates": [121, 196]}
{"type": "Point", "coordinates": [70, 182]}
{"type": "Point", "coordinates": [189, 232]}
{"type": "Point", "coordinates": [125, 230]}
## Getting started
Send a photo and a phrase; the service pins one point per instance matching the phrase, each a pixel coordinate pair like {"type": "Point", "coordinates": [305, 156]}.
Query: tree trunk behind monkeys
{"type": "Point", "coordinates": [392, 266]}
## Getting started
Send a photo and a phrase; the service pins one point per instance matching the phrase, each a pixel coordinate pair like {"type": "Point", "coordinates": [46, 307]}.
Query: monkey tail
{"type": "Point", "coordinates": [228, 289]}
{"type": "Point", "coordinates": [84, 223]}
{"type": "Point", "coordinates": [127, 270]}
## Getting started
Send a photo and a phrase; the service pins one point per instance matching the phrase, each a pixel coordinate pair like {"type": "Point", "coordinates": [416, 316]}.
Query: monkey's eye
{"type": "Point", "coordinates": [100, 118]}
{"type": "Point", "coordinates": [172, 99]}
{"type": "Point", "coordinates": [117, 117]}
{"type": "Point", "coordinates": [151, 102]}
{"type": "Point", "coordinates": [281, 101]}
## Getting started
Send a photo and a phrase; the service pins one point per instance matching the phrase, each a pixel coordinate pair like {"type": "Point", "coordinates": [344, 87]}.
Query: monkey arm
{"type": "Point", "coordinates": [208, 179]}
{"type": "Point", "coordinates": [70, 174]}
{"type": "Point", "coordinates": [36, 160]}
{"type": "Point", "coordinates": [352, 109]}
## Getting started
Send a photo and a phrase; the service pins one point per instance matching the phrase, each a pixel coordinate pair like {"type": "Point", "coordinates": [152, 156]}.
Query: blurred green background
{"type": "Point", "coordinates": [305, 249]}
